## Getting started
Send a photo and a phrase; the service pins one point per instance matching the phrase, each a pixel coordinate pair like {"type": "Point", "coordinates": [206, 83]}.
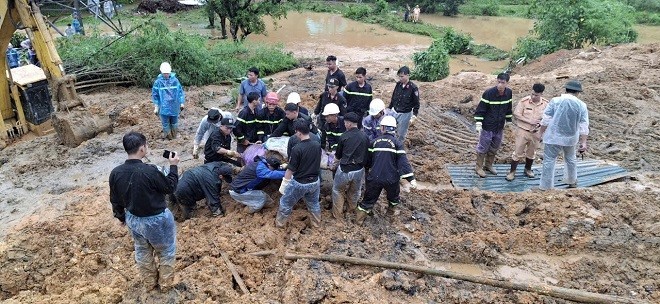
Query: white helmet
{"type": "Point", "coordinates": [293, 98]}
{"type": "Point", "coordinates": [376, 106]}
{"type": "Point", "coordinates": [330, 109]}
{"type": "Point", "coordinates": [165, 68]}
{"type": "Point", "coordinates": [388, 121]}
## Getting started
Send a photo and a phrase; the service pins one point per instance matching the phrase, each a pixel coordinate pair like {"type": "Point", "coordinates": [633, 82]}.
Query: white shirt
{"type": "Point", "coordinates": [567, 118]}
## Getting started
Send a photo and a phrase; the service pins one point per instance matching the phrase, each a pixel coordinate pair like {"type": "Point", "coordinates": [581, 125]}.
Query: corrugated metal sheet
{"type": "Point", "coordinates": [590, 173]}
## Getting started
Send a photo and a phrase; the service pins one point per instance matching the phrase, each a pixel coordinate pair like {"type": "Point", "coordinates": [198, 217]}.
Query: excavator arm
{"type": "Point", "coordinates": [70, 118]}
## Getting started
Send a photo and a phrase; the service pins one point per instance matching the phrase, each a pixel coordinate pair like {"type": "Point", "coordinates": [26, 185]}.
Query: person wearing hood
{"type": "Point", "coordinates": [168, 98]}
{"type": "Point", "coordinates": [247, 187]}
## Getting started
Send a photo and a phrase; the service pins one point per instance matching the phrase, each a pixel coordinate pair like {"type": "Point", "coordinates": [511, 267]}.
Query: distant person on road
{"type": "Point", "coordinates": [270, 116]}
{"type": "Point", "coordinates": [301, 180]}
{"type": "Point", "coordinates": [386, 165]}
{"type": "Point", "coordinates": [352, 155]}
{"type": "Point", "coordinates": [334, 72]}
{"type": "Point", "coordinates": [209, 122]}
{"type": "Point", "coordinates": [416, 12]}
{"type": "Point", "coordinates": [493, 111]}
{"type": "Point", "coordinates": [358, 95]}
{"type": "Point", "coordinates": [12, 57]}
{"type": "Point", "coordinates": [251, 84]}
{"type": "Point", "coordinates": [565, 123]}
{"type": "Point", "coordinates": [406, 14]}
{"type": "Point", "coordinates": [247, 127]}
{"type": "Point", "coordinates": [247, 187]}
{"type": "Point", "coordinates": [203, 182]}
{"type": "Point", "coordinates": [168, 98]}
{"type": "Point", "coordinates": [404, 102]}
{"type": "Point", "coordinates": [109, 9]}
{"type": "Point", "coordinates": [528, 114]}
{"type": "Point", "coordinates": [69, 31]}
{"type": "Point", "coordinates": [371, 123]}
{"type": "Point", "coordinates": [137, 195]}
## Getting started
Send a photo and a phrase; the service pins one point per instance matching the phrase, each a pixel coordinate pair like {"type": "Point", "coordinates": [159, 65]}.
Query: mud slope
{"type": "Point", "coordinates": [60, 244]}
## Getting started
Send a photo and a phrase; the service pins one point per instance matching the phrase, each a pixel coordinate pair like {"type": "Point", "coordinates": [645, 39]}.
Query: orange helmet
{"type": "Point", "coordinates": [272, 98]}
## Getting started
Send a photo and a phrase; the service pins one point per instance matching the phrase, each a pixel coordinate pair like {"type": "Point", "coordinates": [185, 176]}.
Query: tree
{"type": "Point", "coordinates": [450, 7]}
{"type": "Point", "coordinates": [245, 16]}
{"type": "Point", "coordinates": [570, 24]}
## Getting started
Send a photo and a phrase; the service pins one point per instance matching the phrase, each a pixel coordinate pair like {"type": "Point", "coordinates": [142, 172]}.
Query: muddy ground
{"type": "Point", "coordinates": [60, 243]}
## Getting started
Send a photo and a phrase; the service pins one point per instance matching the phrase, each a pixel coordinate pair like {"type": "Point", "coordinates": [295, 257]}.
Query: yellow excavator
{"type": "Point", "coordinates": [40, 99]}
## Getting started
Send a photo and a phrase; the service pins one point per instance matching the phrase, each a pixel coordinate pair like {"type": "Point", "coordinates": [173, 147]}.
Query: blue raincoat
{"type": "Point", "coordinates": [168, 95]}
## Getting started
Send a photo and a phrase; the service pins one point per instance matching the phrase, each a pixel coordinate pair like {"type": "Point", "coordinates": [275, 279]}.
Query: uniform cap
{"type": "Point", "coordinates": [388, 121]}
{"type": "Point", "coordinates": [213, 116]}
{"type": "Point", "coordinates": [165, 68]}
{"type": "Point", "coordinates": [376, 106]}
{"type": "Point", "coordinates": [574, 85]}
{"type": "Point", "coordinates": [228, 122]}
{"type": "Point", "coordinates": [293, 98]}
{"type": "Point", "coordinates": [272, 98]}
{"type": "Point", "coordinates": [333, 82]}
{"type": "Point", "coordinates": [273, 162]}
{"type": "Point", "coordinates": [330, 109]}
{"type": "Point", "coordinates": [352, 117]}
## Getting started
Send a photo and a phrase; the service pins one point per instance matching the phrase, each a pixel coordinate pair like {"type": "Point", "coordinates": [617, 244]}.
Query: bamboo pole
{"type": "Point", "coordinates": [237, 276]}
{"type": "Point", "coordinates": [543, 289]}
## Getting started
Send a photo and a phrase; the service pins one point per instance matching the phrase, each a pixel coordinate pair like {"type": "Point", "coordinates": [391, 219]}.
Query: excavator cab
{"type": "Point", "coordinates": [40, 99]}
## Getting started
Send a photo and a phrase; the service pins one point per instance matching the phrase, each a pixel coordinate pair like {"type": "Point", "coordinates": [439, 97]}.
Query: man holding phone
{"type": "Point", "coordinates": [137, 195]}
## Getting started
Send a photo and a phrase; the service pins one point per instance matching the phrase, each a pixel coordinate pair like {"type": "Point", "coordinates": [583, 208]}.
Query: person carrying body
{"type": "Point", "coordinates": [270, 116]}
{"type": "Point", "coordinates": [203, 182]}
{"type": "Point", "coordinates": [333, 127]}
{"type": "Point", "coordinates": [371, 123]}
{"type": "Point", "coordinates": [168, 98]}
{"type": "Point", "coordinates": [247, 187]}
{"type": "Point", "coordinates": [218, 146]}
{"type": "Point", "coordinates": [291, 113]}
{"type": "Point", "coordinates": [247, 128]}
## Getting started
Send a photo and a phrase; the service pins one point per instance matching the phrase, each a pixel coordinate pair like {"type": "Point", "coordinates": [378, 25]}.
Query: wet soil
{"type": "Point", "coordinates": [60, 244]}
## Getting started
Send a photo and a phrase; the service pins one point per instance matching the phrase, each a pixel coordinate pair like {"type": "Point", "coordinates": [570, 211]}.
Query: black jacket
{"type": "Point", "coordinates": [352, 150]}
{"type": "Point", "coordinates": [216, 141]}
{"type": "Point", "coordinates": [494, 110]}
{"type": "Point", "coordinates": [358, 98]}
{"type": "Point", "coordinates": [268, 122]}
{"type": "Point", "coordinates": [339, 75]}
{"type": "Point", "coordinates": [202, 182]}
{"type": "Point", "coordinates": [286, 127]}
{"type": "Point", "coordinates": [248, 126]}
{"type": "Point", "coordinates": [325, 99]}
{"type": "Point", "coordinates": [405, 98]}
{"type": "Point", "coordinates": [387, 160]}
{"type": "Point", "coordinates": [330, 134]}
{"type": "Point", "coordinates": [140, 188]}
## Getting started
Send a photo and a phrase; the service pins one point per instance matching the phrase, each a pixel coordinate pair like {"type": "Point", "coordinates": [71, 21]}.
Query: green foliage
{"type": "Point", "coordinates": [570, 24]}
{"type": "Point", "coordinates": [647, 18]}
{"type": "Point", "coordinates": [432, 64]}
{"type": "Point", "coordinates": [357, 12]}
{"type": "Point", "coordinates": [245, 16]}
{"type": "Point", "coordinates": [450, 7]}
{"type": "Point", "coordinates": [487, 51]}
{"type": "Point", "coordinates": [531, 48]}
{"type": "Point", "coordinates": [454, 42]}
{"type": "Point", "coordinates": [481, 8]}
{"type": "Point", "coordinates": [381, 7]}
{"type": "Point", "coordinates": [652, 6]}
{"type": "Point", "coordinates": [17, 38]}
{"type": "Point", "coordinates": [139, 55]}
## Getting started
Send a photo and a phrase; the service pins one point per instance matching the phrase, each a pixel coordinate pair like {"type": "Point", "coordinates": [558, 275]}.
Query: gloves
{"type": "Point", "coordinates": [412, 120]}
{"type": "Point", "coordinates": [181, 107]}
{"type": "Point", "coordinates": [313, 117]}
{"type": "Point", "coordinates": [195, 152]}
{"type": "Point", "coordinates": [413, 184]}
{"type": "Point", "coordinates": [477, 126]}
{"type": "Point", "coordinates": [583, 147]}
{"type": "Point", "coordinates": [283, 166]}
{"type": "Point", "coordinates": [156, 110]}
{"type": "Point", "coordinates": [285, 183]}
{"type": "Point", "coordinates": [233, 154]}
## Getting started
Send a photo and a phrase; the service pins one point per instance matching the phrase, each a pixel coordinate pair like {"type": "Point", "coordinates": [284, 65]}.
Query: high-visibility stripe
{"type": "Point", "coordinates": [509, 116]}
{"type": "Point", "coordinates": [387, 150]}
{"type": "Point", "coordinates": [260, 133]}
{"type": "Point", "coordinates": [269, 121]}
{"type": "Point", "coordinates": [362, 209]}
{"type": "Point", "coordinates": [495, 102]}
{"type": "Point", "coordinates": [240, 137]}
{"type": "Point", "coordinates": [246, 121]}
{"type": "Point", "coordinates": [406, 175]}
{"type": "Point", "coordinates": [333, 133]}
{"type": "Point", "coordinates": [168, 88]}
{"type": "Point", "coordinates": [333, 146]}
{"type": "Point", "coordinates": [478, 118]}
{"type": "Point", "coordinates": [358, 93]}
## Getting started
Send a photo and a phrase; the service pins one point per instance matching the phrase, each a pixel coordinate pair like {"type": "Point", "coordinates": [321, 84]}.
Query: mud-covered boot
{"type": "Point", "coordinates": [315, 220]}
{"type": "Point", "coordinates": [490, 159]}
{"type": "Point", "coordinates": [528, 167]}
{"type": "Point", "coordinates": [360, 217]}
{"type": "Point", "coordinates": [165, 277]}
{"type": "Point", "coordinates": [149, 276]}
{"type": "Point", "coordinates": [512, 172]}
{"type": "Point", "coordinates": [280, 220]}
{"type": "Point", "coordinates": [479, 169]}
{"type": "Point", "coordinates": [175, 131]}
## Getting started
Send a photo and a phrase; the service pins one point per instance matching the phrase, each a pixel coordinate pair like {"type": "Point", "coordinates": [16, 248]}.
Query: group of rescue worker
{"type": "Point", "coordinates": [359, 137]}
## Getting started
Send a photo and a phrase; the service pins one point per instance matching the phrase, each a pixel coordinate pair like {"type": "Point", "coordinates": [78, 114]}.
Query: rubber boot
{"type": "Point", "coordinates": [528, 167]}
{"type": "Point", "coordinates": [490, 159]}
{"type": "Point", "coordinates": [280, 220]}
{"type": "Point", "coordinates": [149, 276]}
{"type": "Point", "coordinates": [360, 217]}
{"type": "Point", "coordinates": [512, 173]}
{"type": "Point", "coordinates": [167, 134]}
{"type": "Point", "coordinates": [165, 277]}
{"type": "Point", "coordinates": [315, 220]}
{"type": "Point", "coordinates": [480, 165]}
{"type": "Point", "coordinates": [174, 132]}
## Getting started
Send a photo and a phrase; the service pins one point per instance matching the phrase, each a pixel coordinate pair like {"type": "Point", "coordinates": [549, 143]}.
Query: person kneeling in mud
{"type": "Point", "coordinates": [247, 187]}
{"type": "Point", "coordinates": [202, 182]}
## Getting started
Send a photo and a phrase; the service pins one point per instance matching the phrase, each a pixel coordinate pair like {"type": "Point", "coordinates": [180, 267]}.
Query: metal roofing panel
{"type": "Point", "coordinates": [590, 173]}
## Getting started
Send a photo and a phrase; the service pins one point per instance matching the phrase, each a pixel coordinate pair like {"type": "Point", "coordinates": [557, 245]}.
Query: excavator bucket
{"type": "Point", "coordinates": [78, 125]}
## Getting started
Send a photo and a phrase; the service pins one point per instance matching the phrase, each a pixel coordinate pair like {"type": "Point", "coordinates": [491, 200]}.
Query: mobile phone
{"type": "Point", "coordinates": [167, 153]}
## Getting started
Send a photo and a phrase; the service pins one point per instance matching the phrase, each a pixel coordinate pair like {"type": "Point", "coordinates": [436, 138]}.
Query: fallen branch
{"type": "Point", "coordinates": [543, 289]}
{"type": "Point", "coordinates": [237, 277]}
{"type": "Point", "coordinates": [263, 253]}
